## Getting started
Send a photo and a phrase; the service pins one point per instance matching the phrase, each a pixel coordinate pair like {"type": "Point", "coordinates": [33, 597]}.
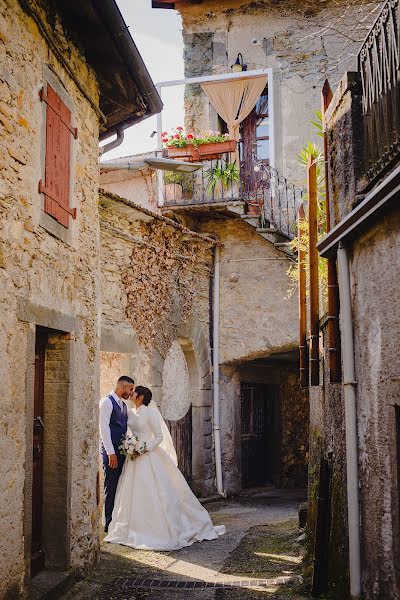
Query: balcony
{"type": "Point", "coordinates": [379, 65]}
{"type": "Point", "coordinates": [258, 189]}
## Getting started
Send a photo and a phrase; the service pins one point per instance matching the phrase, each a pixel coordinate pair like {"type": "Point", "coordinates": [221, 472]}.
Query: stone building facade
{"type": "Point", "coordinates": [363, 243]}
{"type": "Point", "coordinates": [52, 111]}
{"type": "Point", "coordinates": [302, 44]}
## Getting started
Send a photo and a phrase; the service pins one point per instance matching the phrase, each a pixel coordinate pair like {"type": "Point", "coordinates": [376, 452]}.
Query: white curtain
{"type": "Point", "coordinates": [234, 100]}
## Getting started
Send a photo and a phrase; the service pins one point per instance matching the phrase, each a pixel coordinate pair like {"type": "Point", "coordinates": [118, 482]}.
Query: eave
{"type": "Point", "coordinates": [381, 199]}
{"type": "Point", "coordinates": [127, 92]}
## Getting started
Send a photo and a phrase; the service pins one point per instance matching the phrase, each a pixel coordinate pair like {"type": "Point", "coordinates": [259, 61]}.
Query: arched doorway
{"type": "Point", "coordinates": [176, 406]}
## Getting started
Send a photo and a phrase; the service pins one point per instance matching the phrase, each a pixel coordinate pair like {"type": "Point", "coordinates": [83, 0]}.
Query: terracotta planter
{"type": "Point", "coordinates": [255, 208]}
{"type": "Point", "coordinates": [213, 151]}
{"type": "Point", "coordinates": [173, 191]}
{"type": "Point", "coordinates": [203, 152]}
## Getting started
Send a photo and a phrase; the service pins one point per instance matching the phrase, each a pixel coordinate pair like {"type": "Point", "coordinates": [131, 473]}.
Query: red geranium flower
{"type": "Point", "coordinates": [164, 140]}
{"type": "Point", "coordinates": [164, 133]}
{"type": "Point", "coordinates": [190, 136]}
{"type": "Point", "coordinates": [179, 128]}
{"type": "Point", "coordinates": [177, 137]}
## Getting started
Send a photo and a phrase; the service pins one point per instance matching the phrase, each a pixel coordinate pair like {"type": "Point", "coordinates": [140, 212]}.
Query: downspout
{"type": "Point", "coordinates": [214, 313]}
{"type": "Point", "coordinates": [114, 144]}
{"type": "Point", "coordinates": [350, 407]}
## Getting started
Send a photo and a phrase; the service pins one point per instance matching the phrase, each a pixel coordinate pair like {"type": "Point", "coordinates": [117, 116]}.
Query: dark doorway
{"type": "Point", "coordinates": [181, 433]}
{"type": "Point", "coordinates": [260, 443]}
{"type": "Point", "coordinates": [37, 554]}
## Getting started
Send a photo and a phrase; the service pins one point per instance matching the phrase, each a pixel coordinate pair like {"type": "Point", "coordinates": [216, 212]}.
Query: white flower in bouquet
{"type": "Point", "coordinates": [131, 446]}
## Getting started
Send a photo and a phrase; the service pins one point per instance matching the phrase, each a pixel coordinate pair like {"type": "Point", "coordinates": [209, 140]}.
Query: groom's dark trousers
{"type": "Point", "coordinates": [118, 426]}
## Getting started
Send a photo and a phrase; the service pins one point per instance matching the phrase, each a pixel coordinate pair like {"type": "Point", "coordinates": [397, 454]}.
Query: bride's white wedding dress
{"type": "Point", "coordinates": [154, 507]}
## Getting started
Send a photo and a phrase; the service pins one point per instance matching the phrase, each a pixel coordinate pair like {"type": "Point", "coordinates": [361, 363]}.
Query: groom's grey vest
{"type": "Point", "coordinates": [118, 425]}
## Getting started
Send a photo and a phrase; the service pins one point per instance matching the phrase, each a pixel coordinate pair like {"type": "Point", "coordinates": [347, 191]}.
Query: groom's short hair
{"type": "Point", "coordinates": [127, 379]}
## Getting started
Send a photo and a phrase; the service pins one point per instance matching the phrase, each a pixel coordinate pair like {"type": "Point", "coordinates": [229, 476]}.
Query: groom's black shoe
{"type": "Point", "coordinates": [106, 529]}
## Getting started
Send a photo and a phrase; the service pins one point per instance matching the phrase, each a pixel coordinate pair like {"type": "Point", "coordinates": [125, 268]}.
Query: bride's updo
{"type": "Point", "coordinates": [145, 392]}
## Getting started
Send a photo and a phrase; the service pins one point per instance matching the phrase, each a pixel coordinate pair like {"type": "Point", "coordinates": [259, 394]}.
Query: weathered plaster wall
{"type": "Point", "coordinates": [300, 43]}
{"type": "Point", "coordinates": [375, 267]}
{"type": "Point", "coordinates": [257, 317]}
{"type": "Point", "coordinates": [138, 186]}
{"type": "Point", "coordinates": [40, 273]}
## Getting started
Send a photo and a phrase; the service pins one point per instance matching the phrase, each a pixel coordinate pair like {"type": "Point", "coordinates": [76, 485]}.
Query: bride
{"type": "Point", "coordinates": [154, 506]}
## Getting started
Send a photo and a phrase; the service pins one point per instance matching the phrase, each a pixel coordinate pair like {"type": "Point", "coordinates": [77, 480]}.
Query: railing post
{"type": "Point", "coordinates": [335, 367]}
{"type": "Point", "coordinates": [313, 269]}
{"type": "Point", "coordinates": [303, 349]}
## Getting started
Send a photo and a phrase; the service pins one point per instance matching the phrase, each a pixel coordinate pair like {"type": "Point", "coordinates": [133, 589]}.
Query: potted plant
{"type": "Point", "coordinates": [197, 147]}
{"type": "Point", "coordinates": [223, 176]}
{"type": "Point", "coordinates": [178, 185]}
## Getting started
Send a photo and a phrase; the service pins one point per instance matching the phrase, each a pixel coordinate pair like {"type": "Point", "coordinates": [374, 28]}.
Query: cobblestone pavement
{"type": "Point", "coordinates": [257, 558]}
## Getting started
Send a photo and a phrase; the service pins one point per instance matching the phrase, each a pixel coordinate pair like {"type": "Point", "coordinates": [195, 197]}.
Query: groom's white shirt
{"type": "Point", "coordinates": [106, 408]}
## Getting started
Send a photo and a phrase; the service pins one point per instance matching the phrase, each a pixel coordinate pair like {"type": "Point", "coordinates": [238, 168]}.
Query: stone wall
{"type": "Point", "coordinates": [44, 281]}
{"type": "Point", "coordinates": [155, 284]}
{"type": "Point", "coordinates": [294, 410]}
{"type": "Point", "coordinates": [257, 316]}
{"type": "Point", "coordinates": [302, 44]}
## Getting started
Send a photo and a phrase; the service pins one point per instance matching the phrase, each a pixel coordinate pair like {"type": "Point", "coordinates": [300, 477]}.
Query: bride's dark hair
{"type": "Point", "coordinates": [145, 392]}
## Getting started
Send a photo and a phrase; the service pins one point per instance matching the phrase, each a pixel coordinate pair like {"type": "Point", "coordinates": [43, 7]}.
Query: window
{"type": "Point", "coordinates": [56, 186]}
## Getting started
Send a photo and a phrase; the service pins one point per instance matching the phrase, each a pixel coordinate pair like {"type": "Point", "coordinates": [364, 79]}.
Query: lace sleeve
{"type": "Point", "coordinates": [155, 426]}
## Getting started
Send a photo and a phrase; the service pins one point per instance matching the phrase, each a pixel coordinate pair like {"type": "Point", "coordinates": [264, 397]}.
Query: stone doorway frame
{"type": "Point", "coordinates": [58, 413]}
{"type": "Point", "coordinates": [194, 345]}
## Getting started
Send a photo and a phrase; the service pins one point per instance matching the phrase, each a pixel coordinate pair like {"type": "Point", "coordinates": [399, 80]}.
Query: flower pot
{"type": "Point", "coordinates": [255, 208]}
{"type": "Point", "coordinates": [214, 150]}
{"type": "Point", "coordinates": [185, 153]}
{"type": "Point", "coordinates": [172, 191]}
{"type": "Point", "coordinates": [193, 153]}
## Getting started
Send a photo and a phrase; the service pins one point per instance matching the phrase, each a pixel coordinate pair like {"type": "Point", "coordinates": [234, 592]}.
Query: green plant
{"type": "Point", "coordinates": [223, 173]}
{"type": "Point", "coordinates": [180, 139]}
{"type": "Point", "coordinates": [185, 180]}
{"type": "Point", "coordinates": [300, 242]}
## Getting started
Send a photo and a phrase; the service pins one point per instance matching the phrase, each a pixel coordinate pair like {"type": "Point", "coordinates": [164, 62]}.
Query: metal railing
{"type": "Point", "coordinates": [266, 193]}
{"type": "Point", "coordinates": [379, 65]}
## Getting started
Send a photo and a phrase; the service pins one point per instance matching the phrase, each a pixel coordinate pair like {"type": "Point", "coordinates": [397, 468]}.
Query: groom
{"type": "Point", "coordinates": [113, 426]}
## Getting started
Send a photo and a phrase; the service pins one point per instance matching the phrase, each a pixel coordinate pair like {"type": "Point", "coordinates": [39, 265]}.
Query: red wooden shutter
{"type": "Point", "coordinates": [56, 188]}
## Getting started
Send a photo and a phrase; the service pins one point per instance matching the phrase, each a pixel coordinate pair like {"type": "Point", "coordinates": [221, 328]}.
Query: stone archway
{"type": "Point", "coordinates": [189, 351]}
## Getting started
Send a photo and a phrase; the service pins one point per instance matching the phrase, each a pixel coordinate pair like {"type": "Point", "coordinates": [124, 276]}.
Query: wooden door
{"type": "Point", "coordinates": [257, 424]}
{"type": "Point", "coordinates": [37, 554]}
{"type": "Point", "coordinates": [181, 433]}
{"type": "Point", "coordinates": [254, 142]}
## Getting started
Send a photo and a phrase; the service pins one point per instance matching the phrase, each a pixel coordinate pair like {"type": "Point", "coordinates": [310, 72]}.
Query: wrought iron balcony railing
{"type": "Point", "coordinates": [264, 191]}
{"type": "Point", "coordinates": [379, 64]}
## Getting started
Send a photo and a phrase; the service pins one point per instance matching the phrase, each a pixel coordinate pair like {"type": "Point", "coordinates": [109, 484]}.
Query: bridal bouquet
{"type": "Point", "coordinates": [132, 447]}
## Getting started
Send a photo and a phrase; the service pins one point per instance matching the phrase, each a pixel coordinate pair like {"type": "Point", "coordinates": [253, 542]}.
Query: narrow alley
{"type": "Point", "coordinates": [258, 557]}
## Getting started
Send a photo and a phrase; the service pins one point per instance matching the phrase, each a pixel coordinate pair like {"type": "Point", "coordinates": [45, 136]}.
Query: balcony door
{"type": "Point", "coordinates": [254, 141]}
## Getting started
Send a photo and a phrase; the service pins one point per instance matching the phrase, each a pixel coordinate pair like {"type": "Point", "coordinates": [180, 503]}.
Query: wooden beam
{"type": "Point", "coordinates": [313, 269]}
{"type": "Point", "coordinates": [335, 367]}
{"type": "Point", "coordinates": [303, 348]}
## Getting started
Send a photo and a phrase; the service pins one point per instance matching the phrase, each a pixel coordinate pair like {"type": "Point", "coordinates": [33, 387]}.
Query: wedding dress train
{"type": "Point", "coordinates": [154, 507]}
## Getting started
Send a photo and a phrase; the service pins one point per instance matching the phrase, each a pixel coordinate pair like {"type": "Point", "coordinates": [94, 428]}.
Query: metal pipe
{"type": "Point", "coordinates": [350, 408]}
{"type": "Point", "coordinates": [215, 312]}
{"type": "Point", "coordinates": [114, 144]}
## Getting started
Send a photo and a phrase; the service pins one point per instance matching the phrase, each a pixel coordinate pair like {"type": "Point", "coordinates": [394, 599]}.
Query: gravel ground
{"type": "Point", "coordinates": [259, 544]}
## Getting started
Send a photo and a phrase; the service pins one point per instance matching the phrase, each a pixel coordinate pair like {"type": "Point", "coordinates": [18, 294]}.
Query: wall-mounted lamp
{"type": "Point", "coordinates": [239, 66]}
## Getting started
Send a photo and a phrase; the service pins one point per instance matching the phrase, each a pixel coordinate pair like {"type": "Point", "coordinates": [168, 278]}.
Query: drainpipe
{"type": "Point", "coordinates": [215, 362]}
{"type": "Point", "coordinates": [350, 407]}
{"type": "Point", "coordinates": [114, 144]}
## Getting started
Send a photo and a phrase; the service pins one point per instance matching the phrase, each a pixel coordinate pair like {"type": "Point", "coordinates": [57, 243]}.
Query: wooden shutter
{"type": "Point", "coordinates": [56, 187]}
